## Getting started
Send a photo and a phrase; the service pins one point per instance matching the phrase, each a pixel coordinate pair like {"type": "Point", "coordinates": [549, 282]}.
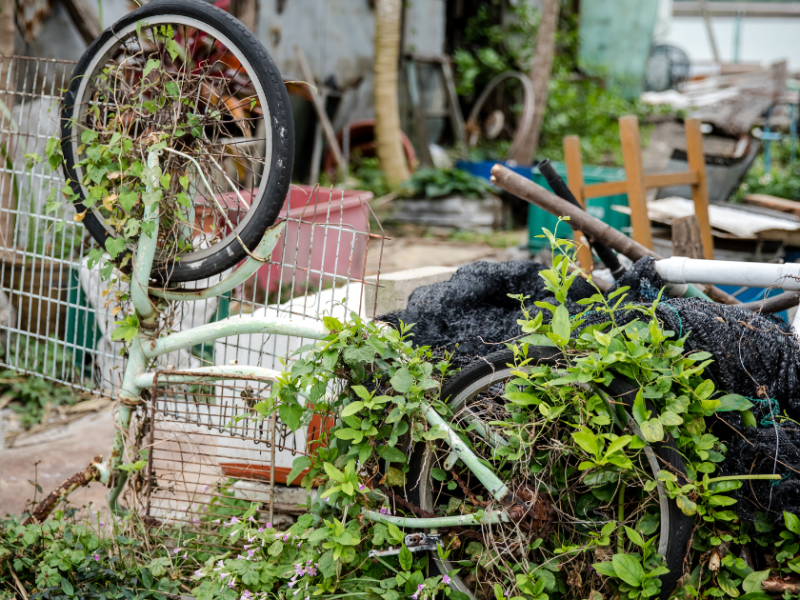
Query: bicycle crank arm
{"type": "Point", "coordinates": [415, 542]}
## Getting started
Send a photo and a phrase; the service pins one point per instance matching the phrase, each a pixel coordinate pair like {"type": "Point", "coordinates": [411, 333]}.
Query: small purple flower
{"type": "Point", "coordinates": [361, 487]}
{"type": "Point", "coordinates": [185, 555]}
{"type": "Point", "coordinates": [286, 538]}
{"type": "Point", "coordinates": [102, 524]}
{"type": "Point", "coordinates": [246, 546]}
{"type": "Point", "coordinates": [220, 565]}
{"type": "Point", "coordinates": [199, 573]}
{"type": "Point", "coordinates": [290, 584]}
{"type": "Point", "coordinates": [250, 554]}
{"type": "Point", "coordinates": [269, 525]}
{"type": "Point", "coordinates": [234, 521]}
{"type": "Point", "coordinates": [205, 487]}
{"type": "Point", "coordinates": [251, 519]}
{"type": "Point", "coordinates": [222, 576]}
{"type": "Point", "coordinates": [216, 521]}
{"type": "Point", "coordinates": [196, 520]}
{"type": "Point", "coordinates": [240, 557]}
{"type": "Point", "coordinates": [231, 583]}
{"type": "Point", "coordinates": [299, 544]}
{"type": "Point", "coordinates": [176, 550]}
{"type": "Point", "coordinates": [247, 595]}
{"type": "Point", "coordinates": [386, 511]}
{"type": "Point", "coordinates": [446, 579]}
{"type": "Point", "coordinates": [260, 530]}
{"type": "Point", "coordinates": [96, 557]}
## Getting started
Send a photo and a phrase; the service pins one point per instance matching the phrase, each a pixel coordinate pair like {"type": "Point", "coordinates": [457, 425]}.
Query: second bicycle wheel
{"type": "Point", "coordinates": [188, 74]}
{"type": "Point", "coordinates": [512, 423]}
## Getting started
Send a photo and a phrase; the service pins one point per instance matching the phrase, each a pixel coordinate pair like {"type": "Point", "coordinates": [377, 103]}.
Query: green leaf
{"type": "Point", "coordinates": [652, 430]}
{"type": "Point", "coordinates": [640, 413]}
{"type": "Point", "coordinates": [670, 419]}
{"type": "Point", "coordinates": [276, 548]}
{"type": "Point", "coordinates": [587, 441]}
{"type": "Point", "coordinates": [634, 537]}
{"type": "Point", "coordinates": [395, 477]}
{"type": "Point", "coordinates": [687, 506]}
{"type": "Point", "coordinates": [402, 380]}
{"type": "Point", "coordinates": [726, 585]}
{"type": "Point", "coordinates": [291, 414]}
{"type": "Point", "coordinates": [173, 49]}
{"type": "Point", "coordinates": [300, 464]}
{"type": "Point", "coordinates": [352, 408]}
{"type": "Point", "coordinates": [605, 568]}
{"type": "Point", "coordinates": [560, 324]}
{"type": "Point", "coordinates": [152, 63]}
{"type": "Point", "coordinates": [127, 200]}
{"type": "Point", "coordinates": [390, 454]}
{"type": "Point", "coordinates": [438, 474]}
{"type": "Point", "coordinates": [792, 522]}
{"type": "Point", "coordinates": [405, 558]}
{"type": "Point", "coordinates": [705, 389]}
{"type": "Point", "coordinates": [67, 587]}
{"type": "Point", "coordinates": [333, 472]}
{"type": "Point", "coordinates": [752, 583]}
{"type": "Point", "coordinates": [628, 569]}
{"type": "Point", "coordinates": [114, 246]}
{"type": "Point", "coordinates": [733, 402]}
{"type": "Point", "coordinates": [88, 136]}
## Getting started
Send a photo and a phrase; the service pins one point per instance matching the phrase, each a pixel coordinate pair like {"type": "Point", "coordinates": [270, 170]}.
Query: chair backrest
{"type": "Point", "coordinates": [636, 183]}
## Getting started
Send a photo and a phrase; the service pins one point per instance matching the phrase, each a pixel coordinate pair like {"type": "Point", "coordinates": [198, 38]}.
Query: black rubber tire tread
{"type": "Point", "coordinates": [681, 525]}
{"type": "Point", "coordinates": [281, 123]}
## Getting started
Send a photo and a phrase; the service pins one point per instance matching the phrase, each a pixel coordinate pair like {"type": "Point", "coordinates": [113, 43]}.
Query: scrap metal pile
{"type": "Point", "coordinates": [476, 313]}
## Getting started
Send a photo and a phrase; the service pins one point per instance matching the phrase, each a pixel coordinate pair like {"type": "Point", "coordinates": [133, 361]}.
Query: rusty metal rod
{"type": "Point", "coordinates": [775, 303]}
{"type": "Point", "coordinates": [526, 189]}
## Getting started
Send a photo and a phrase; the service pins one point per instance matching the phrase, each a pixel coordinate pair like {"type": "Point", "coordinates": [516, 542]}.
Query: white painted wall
{"type": "Point", "coordinates": [763, 39]}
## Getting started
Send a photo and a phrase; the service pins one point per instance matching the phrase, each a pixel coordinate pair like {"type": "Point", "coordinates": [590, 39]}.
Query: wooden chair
{"type": "Point", "coordinates": [636, 183]}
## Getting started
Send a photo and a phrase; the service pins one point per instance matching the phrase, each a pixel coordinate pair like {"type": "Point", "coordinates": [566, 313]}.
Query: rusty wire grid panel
{"type": "Point", "coordinates": [62, 314]}
{"type": "Point", "coordinates": [204, 465]}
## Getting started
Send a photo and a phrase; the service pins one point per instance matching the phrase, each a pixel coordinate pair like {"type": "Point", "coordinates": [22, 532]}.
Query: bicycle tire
{"type": "Point", "coordinates": [495, 366]}
{"type": "Point", "coordinates": [273, 191]}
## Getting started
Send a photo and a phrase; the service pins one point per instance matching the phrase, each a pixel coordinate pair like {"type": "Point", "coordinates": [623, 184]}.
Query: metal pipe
{"type": "Point", "coordinates": [236, 326]}
{"type": "Point", "coordinates": [485, 475]}
{"type": "Point", "coordinates": [680, 269]}
{"type": "Point", "coordinates": [489, 518]}
{"type": "Point", "coordinates": [232, 281]}
{"type": "Point", "coordinates": [145, 380]}
{"type": "Point", "coordinates": [146, 249]}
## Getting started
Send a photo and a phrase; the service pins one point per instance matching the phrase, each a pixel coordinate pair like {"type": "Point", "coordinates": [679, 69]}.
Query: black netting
{"type": "Point", "coordinates": [755, 355]}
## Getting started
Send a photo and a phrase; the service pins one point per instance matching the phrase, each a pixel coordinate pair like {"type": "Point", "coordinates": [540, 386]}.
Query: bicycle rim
{"type": "Point", "coordinates": [231, 140]}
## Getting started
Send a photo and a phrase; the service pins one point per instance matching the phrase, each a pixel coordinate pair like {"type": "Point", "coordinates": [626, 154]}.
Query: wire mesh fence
{"type": "Point", "coordinates": [56, 316]}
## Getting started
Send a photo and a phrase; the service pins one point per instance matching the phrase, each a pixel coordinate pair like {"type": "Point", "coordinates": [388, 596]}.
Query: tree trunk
{"type": "Point", "coordinates": [387, 113]}
{"type": "Point", "coordinates": [540, 76]}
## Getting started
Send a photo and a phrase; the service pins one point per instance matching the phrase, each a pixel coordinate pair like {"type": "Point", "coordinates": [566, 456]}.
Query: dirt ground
{"type": "Point", "coordinates": [53, 456]}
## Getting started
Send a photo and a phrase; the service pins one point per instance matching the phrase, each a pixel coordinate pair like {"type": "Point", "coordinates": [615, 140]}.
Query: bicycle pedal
{"type": "Point", "coordinates": [415, 542]}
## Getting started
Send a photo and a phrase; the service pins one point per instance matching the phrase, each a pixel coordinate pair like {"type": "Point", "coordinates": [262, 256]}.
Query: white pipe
{"type": "Point", "coordinates": [679, 269]}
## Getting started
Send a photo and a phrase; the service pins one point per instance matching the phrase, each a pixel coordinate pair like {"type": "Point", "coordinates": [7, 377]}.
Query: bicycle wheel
{"type": "Point", "coordinates": [187, 73]}
{"type": "Point", "coordinates": [568, 505]}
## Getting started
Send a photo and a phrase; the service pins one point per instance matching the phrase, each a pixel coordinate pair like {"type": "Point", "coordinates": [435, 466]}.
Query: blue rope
{"type": "Point", "coordinates": [777, 482]}
{"type": "Point", "coordinates": [773, 407]}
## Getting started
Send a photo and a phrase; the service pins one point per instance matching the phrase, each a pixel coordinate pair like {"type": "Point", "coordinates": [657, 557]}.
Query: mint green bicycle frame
{"type": "Point", "coordinates": [145, 347]}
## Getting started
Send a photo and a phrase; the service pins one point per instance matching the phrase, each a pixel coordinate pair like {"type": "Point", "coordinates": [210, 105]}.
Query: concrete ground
{"type": "Point", "coordinates": [53, 456]}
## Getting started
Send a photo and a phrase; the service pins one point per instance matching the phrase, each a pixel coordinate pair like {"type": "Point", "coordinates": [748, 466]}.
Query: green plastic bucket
{"type": "Point", "coordinates": [539, 219]}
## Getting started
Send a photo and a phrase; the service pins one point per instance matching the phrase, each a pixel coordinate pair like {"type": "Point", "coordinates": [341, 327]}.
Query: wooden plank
{"type": "Point", "coordinates": [84, 17]}
{"type": "Point", "coordinates": [572, 160]}
{"type": "Point", "coordinates": [599, 190]}
{"type": "Point", "coordinates": [319, 108]}
{"type": "Point", "coordinates": [697, 163]}
{"type": "Point", "coordinates": [660, 180]}
{"type": "Point", "coordinates": [773, 202]}
{"type": "Point", "coordinates": [634, 176]}
{"type": "Point", "coordinates": [686, 237]}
